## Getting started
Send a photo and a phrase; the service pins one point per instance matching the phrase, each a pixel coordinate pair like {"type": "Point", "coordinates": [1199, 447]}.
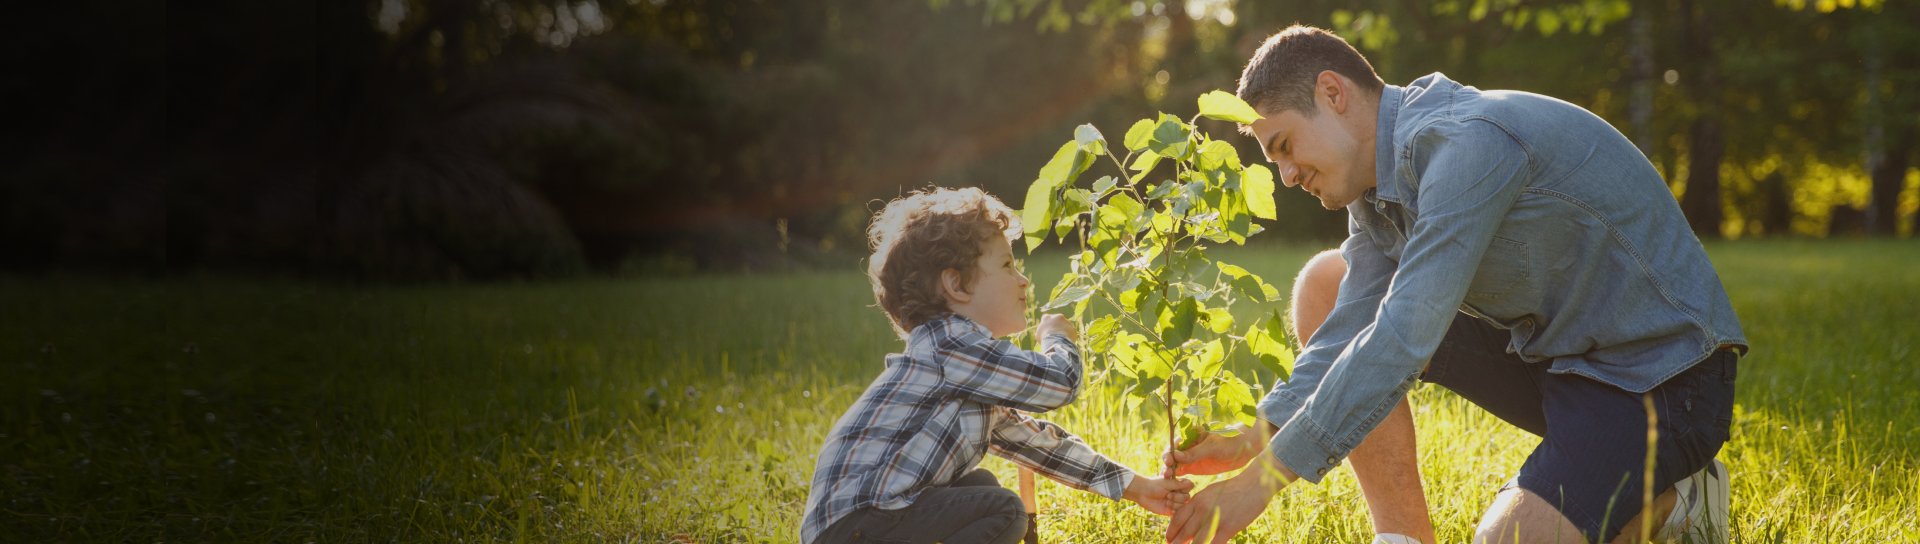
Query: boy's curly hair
{"type": "Point", "coordinates": [916, 237]}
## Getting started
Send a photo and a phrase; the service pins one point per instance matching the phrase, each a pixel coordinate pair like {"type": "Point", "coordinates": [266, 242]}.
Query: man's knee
{"type": "Point", "coordinates": [1315, 290]}
{"type": "Point", "coordinates": [1518, 515]}
{"type": "Point", "coordinates": [1321, 275]}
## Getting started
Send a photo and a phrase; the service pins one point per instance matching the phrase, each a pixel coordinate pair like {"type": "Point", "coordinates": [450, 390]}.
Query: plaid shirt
{"type": "Point", "coordinates": [936, 410]}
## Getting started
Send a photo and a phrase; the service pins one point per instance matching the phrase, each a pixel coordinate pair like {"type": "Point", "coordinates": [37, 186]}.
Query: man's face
{"type": "Point", "coordinates": [1319, 153]}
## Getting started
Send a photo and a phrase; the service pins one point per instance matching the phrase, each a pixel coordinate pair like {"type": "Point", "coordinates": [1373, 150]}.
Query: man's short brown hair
{"type": "Point", "coordinates": [1281, 75]}
{"type": "Point", "coordinates": [917, 237]}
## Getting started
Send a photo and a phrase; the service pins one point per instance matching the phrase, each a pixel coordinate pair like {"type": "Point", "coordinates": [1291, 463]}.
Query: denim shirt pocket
{"type": "Point", "coordinates": [1387, 239]}
{"type": "Point", "coordinates": [1500, 286]}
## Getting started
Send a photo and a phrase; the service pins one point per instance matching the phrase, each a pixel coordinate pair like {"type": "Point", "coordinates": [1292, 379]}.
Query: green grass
{"type": "Point", "coordinates": [641, 409]}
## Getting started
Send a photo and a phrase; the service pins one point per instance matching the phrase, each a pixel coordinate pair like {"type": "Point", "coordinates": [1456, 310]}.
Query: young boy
{"type": "Point", "coordinates": [902, 465]}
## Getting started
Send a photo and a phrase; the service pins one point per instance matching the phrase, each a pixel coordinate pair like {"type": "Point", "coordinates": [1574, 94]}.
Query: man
{"type": "Point", "coordinates": [1508, 246]}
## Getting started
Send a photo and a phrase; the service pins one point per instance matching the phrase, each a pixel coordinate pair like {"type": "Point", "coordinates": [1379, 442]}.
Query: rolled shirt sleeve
{"type": "Point", "coordinates": [1052, 451]}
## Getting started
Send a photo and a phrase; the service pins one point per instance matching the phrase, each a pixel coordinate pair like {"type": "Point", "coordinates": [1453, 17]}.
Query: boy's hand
{"type": "Point", "coordinates": [1052, 323]}
{"type": "Point", "coordinates": [1160, 496]}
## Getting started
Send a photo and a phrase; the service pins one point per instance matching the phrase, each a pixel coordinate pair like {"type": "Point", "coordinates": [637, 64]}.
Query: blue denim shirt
{"type": "Point", "coordinates": [1521, 209]}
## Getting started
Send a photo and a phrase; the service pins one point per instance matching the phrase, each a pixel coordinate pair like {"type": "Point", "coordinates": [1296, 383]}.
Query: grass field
{"type": "Point", "coordinates": [642, 409]}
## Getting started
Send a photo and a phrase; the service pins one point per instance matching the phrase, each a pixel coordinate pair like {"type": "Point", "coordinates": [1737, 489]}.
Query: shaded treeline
{"type": "Point", "coordinates": [509, 138]}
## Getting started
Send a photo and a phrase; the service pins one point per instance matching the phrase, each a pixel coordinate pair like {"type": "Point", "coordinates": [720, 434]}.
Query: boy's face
{"type": "Point", "coordinates": [998, 296]}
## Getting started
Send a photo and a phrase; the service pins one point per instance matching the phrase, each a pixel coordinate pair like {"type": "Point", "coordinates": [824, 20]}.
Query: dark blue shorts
{"type": "Point", "coordinates": [1592, 459]}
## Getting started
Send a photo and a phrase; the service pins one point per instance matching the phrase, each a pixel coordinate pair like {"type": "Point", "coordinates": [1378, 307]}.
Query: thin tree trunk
{"type": "Point", "coordinates": [1889, 175]}
{"type": "Point", "coordinates": [1890, 137]}
{"type": "Point", "coordinates": [1701, 202]}
{"type": "Point", "coordinates": [1640, 103]}
{"type": "Point", "coordinates": [1776, 219]}
{"type": "Point", "coordinates": [1884, 194]}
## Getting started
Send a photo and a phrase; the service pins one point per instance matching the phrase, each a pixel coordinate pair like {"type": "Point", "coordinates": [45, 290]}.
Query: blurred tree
{"type": "Point", "coordinates": [510, 138]}
{"type": "Point", "coordinates": [1754, 108]}
{"type": "Point", "coordinates": [1890, 43]}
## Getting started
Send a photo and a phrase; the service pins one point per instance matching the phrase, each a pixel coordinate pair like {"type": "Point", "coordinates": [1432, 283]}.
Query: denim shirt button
{"type": "Point", "coordinates": [1333, 461]}
{"type": "Point", "coordinates": [1323, 471]}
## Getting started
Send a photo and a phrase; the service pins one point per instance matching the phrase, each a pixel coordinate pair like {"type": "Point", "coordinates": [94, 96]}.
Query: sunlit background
{"type": "Point", "coordinates": [431, 139]}
{"type": "Point", "coordinates": [506, 270]}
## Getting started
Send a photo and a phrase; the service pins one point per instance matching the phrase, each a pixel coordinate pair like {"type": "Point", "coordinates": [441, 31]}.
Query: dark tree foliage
{"type": "Point", "coordinates": [437, 139]}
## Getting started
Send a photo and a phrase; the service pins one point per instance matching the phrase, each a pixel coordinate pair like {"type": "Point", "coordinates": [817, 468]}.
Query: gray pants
{"type": "Point", "coordinates": [972, 509]}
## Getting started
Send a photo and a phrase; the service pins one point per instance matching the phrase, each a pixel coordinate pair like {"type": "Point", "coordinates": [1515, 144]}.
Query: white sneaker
{"type": "Point", "coordinates": [1700, 512]}
{"type": "Point", "coordinates": [1391, 538]}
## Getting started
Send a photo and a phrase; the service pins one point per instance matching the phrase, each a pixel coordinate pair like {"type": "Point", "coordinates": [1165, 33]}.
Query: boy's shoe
{"type": "Point", "coordinates": [1391, 538]}
{"type": "Point", "coordinates": [1700, 512]}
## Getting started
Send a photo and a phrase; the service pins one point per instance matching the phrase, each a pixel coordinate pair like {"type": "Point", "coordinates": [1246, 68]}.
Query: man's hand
{"type": "Point", "coordinates": [1226, 508]}
{"type": "Point", "coordinates": [1052, 323]}
{"type": "Point", "coordinates": [1215, 454]}
{"type": "Point", "coordinates": [1157, 495]}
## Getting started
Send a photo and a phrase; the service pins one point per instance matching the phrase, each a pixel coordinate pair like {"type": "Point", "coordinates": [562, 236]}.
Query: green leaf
{"type": "Point", "coordinates": [1247, 283]}
{"type": "Point", "coordinates": [1147, 391]}
{"type": "Point", "coordinates": [1104, 184]}
{"type": "Point", "coordinates": [1257, 183]}
{"type": "Point", "coordinates": [1110, 225]}
{"type": "Point", "coordinates": [1074, 201]}
{"type": "Point", "coordinates": [1143, 162]}
{"type": "Point", "coordinates": [1067, 163]}
{"type": "Point", "coordinates": [1070, 295]}
{"type": "Point", "coordinates": [1177, 325]}
{"type": "Point", "coordinates": [1139, 298]}
{"type": "Point", "coordinates": [1180, 198]}
{"type": "Point", "coordinates": [1125, 205]}
{"type": "Point", "coordinates": [1266, 339]}
{"type": "Point", "coordinates": [1217, 155]}
{"type": "Point", "coordinates": [1034, 218]}
{"type": "Point", "coordinates": [1190, 431]}
{"type": "Point", "coordinates": [1212, 357]}
{"type": "Point", "coordinates": [1162, 223]}
{"type": "Point", "coordinates": [1139, 135]}
{"type": "Point", "coordinates": [1238, 221]}
{"type": "Point", "coordinates": [1142, 165]}
{"type": "Point", "coordinates": [1037, 215]}
{"type": "Point", "coordinates": [1100, 334]}
{"type": "Point", "coordinates": [1147, 405]}
{"type": "Point", "coordinates": [1149, 363]}
{"type": "Point", "coordinates": [1089, 139]}
{"type": "Point", "coordinates": [1124, 355]}
{"type": "Point", "coordinates": [1077, 201]}
{"type": "Point", "coordinates": [1227, 107]}
{"type": "Point", "coordinates": [1171, 138]}
{"type": "Point", "coordinates": [1219, 320]}
{"type": "Point", "coordinates": [1236, 396]}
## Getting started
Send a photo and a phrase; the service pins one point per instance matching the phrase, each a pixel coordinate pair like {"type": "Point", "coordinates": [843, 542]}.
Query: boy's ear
{"type": "Point", "coordinates": [954, 289]}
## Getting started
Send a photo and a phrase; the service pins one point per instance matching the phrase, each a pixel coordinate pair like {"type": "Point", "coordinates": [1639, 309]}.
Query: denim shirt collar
{"type": "Point", "coordinates": [1383, 157]}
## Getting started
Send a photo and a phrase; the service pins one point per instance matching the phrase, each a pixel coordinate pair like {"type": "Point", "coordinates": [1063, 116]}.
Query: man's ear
{"type": "Point", "coordinates": [953, 288]}
{"type": "Point", "coordinates": [1334, 87]}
